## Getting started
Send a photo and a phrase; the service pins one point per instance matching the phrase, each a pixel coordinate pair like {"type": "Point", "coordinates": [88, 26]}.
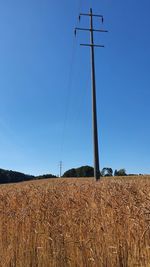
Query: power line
{"type": "Point", "coordinates": [68, 88]}
{"type": "Point", "coordinates": [68, 93]}
{"type": "Point", "coordinates": [83, 98]}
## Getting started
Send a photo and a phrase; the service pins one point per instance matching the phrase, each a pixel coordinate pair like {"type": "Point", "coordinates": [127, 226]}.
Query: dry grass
{"type": "Point", "coordinates": [77, 223]}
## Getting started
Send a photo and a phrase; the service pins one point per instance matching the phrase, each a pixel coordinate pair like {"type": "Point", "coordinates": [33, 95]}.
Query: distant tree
{"type": "Point", "coordinates": [115, 173]}
{"type": "Point", "coordinates": [107, 172]}
{"type": "Point", "coordinates": [46, 176]}
{"type": "Point", "coordinates": [70, 173]}
{"type": "Point", "coordinates": [83, 171]}
{"type": "Point", "coordinates": [121, 172]}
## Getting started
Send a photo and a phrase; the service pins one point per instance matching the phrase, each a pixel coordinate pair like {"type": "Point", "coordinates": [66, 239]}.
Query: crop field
{"type": "Point", "coordinates": [76, 223]}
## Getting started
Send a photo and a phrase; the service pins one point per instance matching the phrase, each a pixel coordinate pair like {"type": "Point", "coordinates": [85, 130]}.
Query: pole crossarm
{"type": "Point", "coordinates": [94, 30]}
{"type": "Point", "coordinates": [88, 14]}
{"type": "Point", "coordinates": [91, 15]}
{"type": "Point", "coordinates": [92, 45]}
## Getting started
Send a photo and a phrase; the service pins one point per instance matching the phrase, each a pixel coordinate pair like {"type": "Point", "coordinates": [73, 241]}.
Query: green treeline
{"type": "Point", "coordinates": [7, 176]}
{"type": "Point", "coordinates": [87, 171]}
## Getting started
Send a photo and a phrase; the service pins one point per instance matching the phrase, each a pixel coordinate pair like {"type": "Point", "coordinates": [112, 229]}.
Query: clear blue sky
{"type": "Point", "coordinates": [45, 93]}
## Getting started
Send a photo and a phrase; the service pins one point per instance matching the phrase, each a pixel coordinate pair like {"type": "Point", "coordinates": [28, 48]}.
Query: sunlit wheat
{"type": "Point", "coordinates": [76, 223]}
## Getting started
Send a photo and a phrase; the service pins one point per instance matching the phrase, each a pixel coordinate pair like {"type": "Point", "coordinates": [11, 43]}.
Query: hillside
{"type": "Point", "coordinates": [9, 176]}
{"type": "Point", "coordinates": [75, 222]}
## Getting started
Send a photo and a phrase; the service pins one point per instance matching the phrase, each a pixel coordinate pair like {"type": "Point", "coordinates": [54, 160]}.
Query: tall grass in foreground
{"type": "Point", "coordinates": [75, 222]}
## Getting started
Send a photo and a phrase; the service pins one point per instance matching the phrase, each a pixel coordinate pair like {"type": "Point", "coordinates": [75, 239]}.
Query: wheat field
{"type": "Point", "coordinates": [76, 223]}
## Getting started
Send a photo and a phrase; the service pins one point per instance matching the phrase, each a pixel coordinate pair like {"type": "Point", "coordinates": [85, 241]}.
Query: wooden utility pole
{"type": "Point", "coordinates": [94, 108]}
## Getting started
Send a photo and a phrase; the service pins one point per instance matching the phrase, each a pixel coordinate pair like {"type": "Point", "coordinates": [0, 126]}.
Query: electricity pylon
{"type": "Point", "coordinates": [60, 169]}
{"type": "Point", "coordinates": [94, 109]}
